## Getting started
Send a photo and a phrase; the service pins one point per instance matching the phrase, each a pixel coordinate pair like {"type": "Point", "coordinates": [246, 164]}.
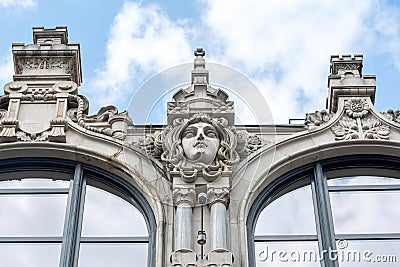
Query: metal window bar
{"type": "Point", "coordinates": [387, 236]}
{"type": "Point", "coordinates": [364, 188]}
{"type": "Point", "coordinates": [34, 191]}
{"type": "Point", "coordinates": [323, 215]}
{"type": "Point", "coordinates": [116, 240]}
{"type": "Point", "coordinates": [31, 239]}
{"type": "Point", "coordinates": [282, 238]}
{"type": "Point", "coordinates": [73, 220]}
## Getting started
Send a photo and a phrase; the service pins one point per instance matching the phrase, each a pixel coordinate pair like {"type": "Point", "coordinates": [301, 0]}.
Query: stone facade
{"type": "Point", "coordinates": [200, 152]}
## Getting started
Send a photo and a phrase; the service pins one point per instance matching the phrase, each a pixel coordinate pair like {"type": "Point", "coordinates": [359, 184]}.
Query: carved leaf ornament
{"type": "Point", "coordinates": [359, 123]}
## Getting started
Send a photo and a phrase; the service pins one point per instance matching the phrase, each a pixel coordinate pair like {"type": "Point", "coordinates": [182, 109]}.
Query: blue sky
{"type": "Point", "coordinates": [282, 46]}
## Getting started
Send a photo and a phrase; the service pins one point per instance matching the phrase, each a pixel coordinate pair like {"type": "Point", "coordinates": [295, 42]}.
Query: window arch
{"type": "Point", "coordinates": [59, 212]}
{"type": "Point", "coordinates": [353, 216]}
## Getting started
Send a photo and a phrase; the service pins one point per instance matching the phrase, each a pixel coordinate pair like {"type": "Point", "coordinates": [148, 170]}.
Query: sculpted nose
{"type": "Point", "coordinates": [200, 137]}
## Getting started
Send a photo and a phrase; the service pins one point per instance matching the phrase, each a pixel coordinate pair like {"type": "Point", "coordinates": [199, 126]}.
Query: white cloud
{"type": "Point", "coordinates": [142, 41]}
{"type": "Point", "coordinates": [18, 3]}
{"type": "Point", "coordinates": [382, 33]}
{"type": "Point", "coordinates": [284, 46]}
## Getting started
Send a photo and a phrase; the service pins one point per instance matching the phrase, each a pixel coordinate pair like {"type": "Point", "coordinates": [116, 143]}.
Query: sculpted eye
{"type": "Point", "coordinates": [189, 133]}
{"type": "Point", "coordinates": [211, 133]}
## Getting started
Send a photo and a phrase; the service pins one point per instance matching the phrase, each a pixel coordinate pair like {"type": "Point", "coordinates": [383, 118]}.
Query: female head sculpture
{"type": "Point", "coordinates": [199, 143]}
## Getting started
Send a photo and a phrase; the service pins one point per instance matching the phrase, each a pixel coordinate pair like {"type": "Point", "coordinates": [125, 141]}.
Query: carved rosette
{"type": "Point", "coordinates": [359, 123]}
{"type": "Point", "coordinates": [221, 195]}
{"type": "Point", "coordinates": [184, 195]}
{"type": "Point", "coordinates": [356, 108]}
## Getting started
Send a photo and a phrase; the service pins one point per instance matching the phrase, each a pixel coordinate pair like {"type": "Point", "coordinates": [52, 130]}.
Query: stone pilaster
{"type": "Point", "coordinates": [218, 199]}
{"type": "Point", "coordinates": [184, 199]}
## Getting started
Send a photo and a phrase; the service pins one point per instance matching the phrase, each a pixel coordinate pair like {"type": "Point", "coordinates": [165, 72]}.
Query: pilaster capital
{"type": "Point", "coordinates": [215, 194]}
{"type": "Point", "coordinates": [184, 195]}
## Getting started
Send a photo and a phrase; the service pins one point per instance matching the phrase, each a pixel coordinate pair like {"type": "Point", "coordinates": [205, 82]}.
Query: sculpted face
{"type": "Point", "coordinates": [200, 143]}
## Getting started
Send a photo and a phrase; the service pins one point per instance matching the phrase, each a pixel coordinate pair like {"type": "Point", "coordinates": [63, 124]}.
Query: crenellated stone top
{"type": "Point", "coordinates": [42, 100]}
{"type": "Point", "coordinates": [346, 79]}
{"type": "Point", "coordinates": [50, 59]}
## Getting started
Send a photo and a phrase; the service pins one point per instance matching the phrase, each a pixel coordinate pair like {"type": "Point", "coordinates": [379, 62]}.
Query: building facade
{"type": "Point", "coordinates": [97, 190]}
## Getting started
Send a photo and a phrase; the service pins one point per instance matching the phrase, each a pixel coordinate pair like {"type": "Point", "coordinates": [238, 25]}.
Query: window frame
{"type": "Point", "coordinates": [79, 173]}
{"type": "Point", "coordinates": [321, 200]}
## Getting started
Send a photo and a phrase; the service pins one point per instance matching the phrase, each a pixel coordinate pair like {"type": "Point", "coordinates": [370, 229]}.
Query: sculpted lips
{"type": "Point", "coordinates": [200, 144]}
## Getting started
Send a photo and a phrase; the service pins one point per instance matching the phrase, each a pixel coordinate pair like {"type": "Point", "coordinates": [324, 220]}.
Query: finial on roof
{"type": "Point", "coordinates": [199, 52]}
{"type": "Point", "coordinates": [199, 62]}
{"type": "Point", "coordinates": [199, 72]}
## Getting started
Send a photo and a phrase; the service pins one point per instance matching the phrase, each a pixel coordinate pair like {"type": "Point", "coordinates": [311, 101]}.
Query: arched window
{"type": "Point", "coordinates": [338, 212]}
{"type": "Point", "coordinates": [61, 213]}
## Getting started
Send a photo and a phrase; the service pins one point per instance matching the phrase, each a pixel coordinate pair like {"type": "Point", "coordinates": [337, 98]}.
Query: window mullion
{"type": "Point", "coordinates": [323, 216]}
{"type": "Point", "coordinates": [73, 220]}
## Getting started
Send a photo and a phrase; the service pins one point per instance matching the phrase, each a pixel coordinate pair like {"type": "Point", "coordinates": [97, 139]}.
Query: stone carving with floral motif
{"type": "Point", "coordinates": [359, 123]}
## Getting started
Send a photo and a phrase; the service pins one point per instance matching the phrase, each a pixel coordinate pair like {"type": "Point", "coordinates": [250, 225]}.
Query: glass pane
{"type": "Point", "coordinates": [32, 215]}
{"type": "Point", "coordinates": [368, 253]}
{"type": "Point", "coordinates": [32, 255]}
{"type": "Point", "coordinates": [34, 183]}
{"type": "Point", "coordinates": [292, 213]}
{"type": "Point", "coordinates": [108, 215]}
{"type": "Point", "coordinates": [363, 180]}
{"type": "Point", "coordinates": [285, 254]}
{"type": "Point", "coordinates": [115, 255]}
{"type": "Point", "coordinates": [365, 212]}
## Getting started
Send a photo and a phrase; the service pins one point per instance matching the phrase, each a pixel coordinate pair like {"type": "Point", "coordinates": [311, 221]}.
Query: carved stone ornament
{"type": "Point", "coordinates": [65, 87]}
{"type": "Point", "coordinates": [346, 67]}
{"type": "Point", "coordinates": [15, 87]}
{"type": "Point", "coordinates": [47, 64]}
{"type": "Point", "coordinates": [107, 121]}
{"type": "Point", "coordinates": [359, 123]}
{"type": "Point", "coordinates": [184, 195]}
{"type": "Point", "coordinates": [200, 144]}
{"type": "Point", "coordinates": [248, 143]}
{"type": "Point", "coordinates": [218, 195]}
{"type": "Point", "coordinates": [317, 118]}
{"type": "Point", "coordinates": [393, 115]}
